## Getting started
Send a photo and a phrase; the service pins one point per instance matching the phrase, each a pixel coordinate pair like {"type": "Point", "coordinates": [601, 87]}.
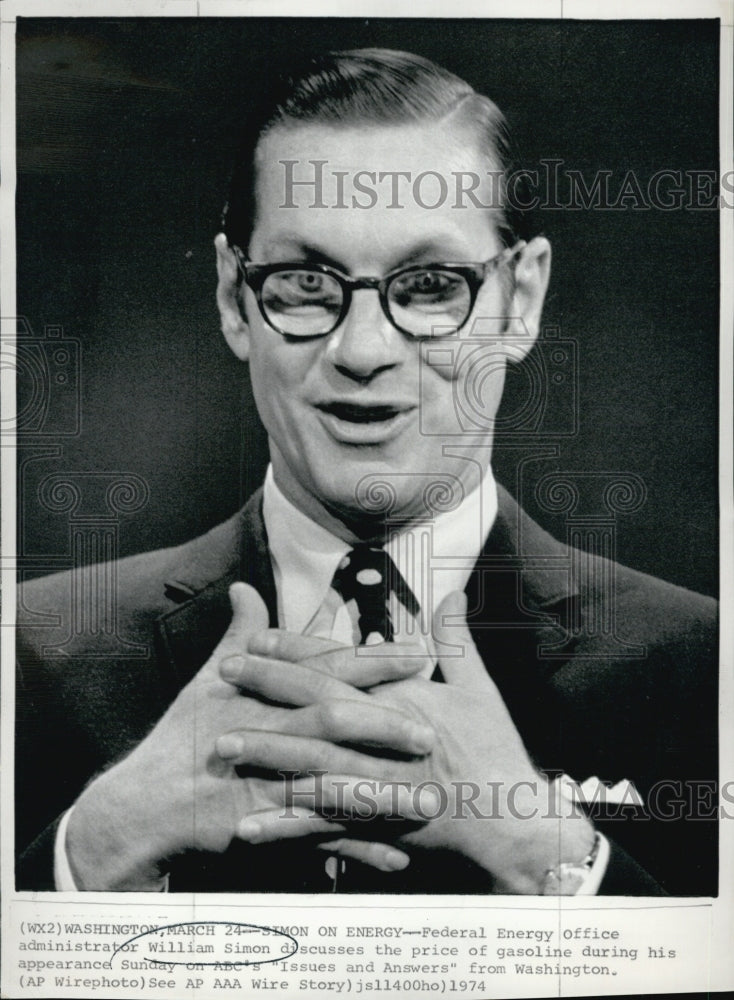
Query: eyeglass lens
{"type": "Point", "coordinates": [305, 303]}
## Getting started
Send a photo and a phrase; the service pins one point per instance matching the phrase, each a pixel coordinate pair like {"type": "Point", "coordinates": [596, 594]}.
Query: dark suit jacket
{"type": "Point", "coordinates": [634, 700]}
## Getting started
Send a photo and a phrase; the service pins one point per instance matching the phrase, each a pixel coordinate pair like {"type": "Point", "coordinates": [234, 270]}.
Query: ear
{"type": "Point", "coordinates": [532, 273]}
{"type": "Point", "coordinates": [235, 329]}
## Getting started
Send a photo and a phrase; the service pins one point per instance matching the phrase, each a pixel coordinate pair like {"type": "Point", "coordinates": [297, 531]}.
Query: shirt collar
{"type": "Point", "coordinates": [305, 555]}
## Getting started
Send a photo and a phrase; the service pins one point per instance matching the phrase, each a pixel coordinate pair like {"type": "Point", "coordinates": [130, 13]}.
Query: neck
{"type": "Point", "coordinates": [360, 525]}
{"type": "Point", "coordinates": [351, 526]}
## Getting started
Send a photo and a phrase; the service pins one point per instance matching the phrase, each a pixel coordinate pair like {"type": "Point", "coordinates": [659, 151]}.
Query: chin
{"type": "Point", "coordinates": [375, 501]}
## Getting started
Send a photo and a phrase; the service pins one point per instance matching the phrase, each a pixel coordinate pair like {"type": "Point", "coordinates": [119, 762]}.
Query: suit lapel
{"type": "Point", "coordinates": [188, 635]}
{"type": "Point", "coordinates": [522, 581]}
{"type": "Point", "coordinates": [521, 598]}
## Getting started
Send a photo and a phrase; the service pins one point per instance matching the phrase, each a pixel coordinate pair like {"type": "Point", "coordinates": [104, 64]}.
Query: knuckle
{"type": "Point", "coordinates": [249, 750]}
{"type": "Point", "coordinates": [407, 664]}
{"type": "Point", "coordinates": [266, 643]}
{"type": "Point", "coordinates": [330, 714]}
{"type": "Point", "coordinates": [258, 750]}
{"type": "Point", "coordinates": [320, 684]}
{"type": "Point", "coordinates": [318, 758]}
{"type": "Point", "coordinates": [329, 663]}
{"type": "Point", "coordinates": [253, 672]}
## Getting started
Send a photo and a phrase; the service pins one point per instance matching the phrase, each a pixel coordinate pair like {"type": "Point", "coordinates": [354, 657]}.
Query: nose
{"type": "Point", "coordinates": [365, 343]}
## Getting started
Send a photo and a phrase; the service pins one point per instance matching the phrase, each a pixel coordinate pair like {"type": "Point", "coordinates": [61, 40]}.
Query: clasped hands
{"type": "Point", "coordinates": [444, 758]}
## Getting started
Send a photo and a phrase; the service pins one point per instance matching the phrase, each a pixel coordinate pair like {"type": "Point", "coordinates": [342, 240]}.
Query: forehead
{"type": "Point", "coordinates": [374, 195]}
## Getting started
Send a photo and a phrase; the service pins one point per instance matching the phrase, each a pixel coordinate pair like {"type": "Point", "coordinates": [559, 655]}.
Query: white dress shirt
{"type": "Point", "coordinates": [434, 557]}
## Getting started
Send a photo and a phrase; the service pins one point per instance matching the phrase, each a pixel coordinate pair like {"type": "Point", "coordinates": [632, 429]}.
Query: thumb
{"type": "Point", "coordinates": [461, 664]}
{"type": "Point", "coordinates": [249, 614]}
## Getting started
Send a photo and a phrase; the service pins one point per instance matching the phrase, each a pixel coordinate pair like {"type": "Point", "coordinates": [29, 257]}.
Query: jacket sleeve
{"type": "Point", "coordinates": [34, 869]}
{"type": "Point", "coordinates": [79, 708]}
{"type": "Point", "coordinates": [624, 877]}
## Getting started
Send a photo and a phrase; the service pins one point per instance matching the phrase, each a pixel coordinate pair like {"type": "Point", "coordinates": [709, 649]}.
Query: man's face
{"type": "Point", "coordinates": [367, 404]}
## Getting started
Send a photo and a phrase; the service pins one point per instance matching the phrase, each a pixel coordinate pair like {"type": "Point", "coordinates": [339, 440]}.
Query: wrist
{"type": "Point", "coordinates": [541, 858]}
{"type": "Point", "coordinates": [542, 832]}
{"type": "Point", "coordinates": [107, 846]}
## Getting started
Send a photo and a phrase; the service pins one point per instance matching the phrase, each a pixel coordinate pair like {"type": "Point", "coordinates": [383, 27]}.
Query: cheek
{"type": "Point", "coordinates": [279, 373]}
{"type": "Point", "coordinates": [440, 381]}
{"type": "Point", "coordinates": [269, 386]}
{"type": "Point", "coordinates": [461, 386]}
{"type": "Point", "coordinates": [271, 363]}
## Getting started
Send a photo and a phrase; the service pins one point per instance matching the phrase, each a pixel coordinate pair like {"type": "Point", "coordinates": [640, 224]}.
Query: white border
{"type": "Point", "coordinates": [721, 911]}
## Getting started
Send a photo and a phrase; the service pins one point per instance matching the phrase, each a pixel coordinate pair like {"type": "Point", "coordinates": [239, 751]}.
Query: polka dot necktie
{"type": "Point", "coordinates": [368, 576]}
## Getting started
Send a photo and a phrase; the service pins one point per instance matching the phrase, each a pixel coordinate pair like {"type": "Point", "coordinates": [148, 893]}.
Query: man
{"type": "Point", "coordinates": [430, 650]}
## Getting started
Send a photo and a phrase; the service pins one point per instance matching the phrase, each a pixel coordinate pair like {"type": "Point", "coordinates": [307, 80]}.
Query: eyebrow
{"type": "Point", "coordinates": [307, 251]}
{"type": "Point", "coordinates": [427, 251]}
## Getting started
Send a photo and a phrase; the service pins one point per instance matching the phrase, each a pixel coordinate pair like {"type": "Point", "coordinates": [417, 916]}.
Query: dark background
{"type": "Point", "coordinates": [126, 130]}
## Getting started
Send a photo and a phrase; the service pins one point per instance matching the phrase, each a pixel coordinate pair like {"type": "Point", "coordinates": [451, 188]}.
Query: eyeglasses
{"type": "Point", "coordinates": [310, 300]}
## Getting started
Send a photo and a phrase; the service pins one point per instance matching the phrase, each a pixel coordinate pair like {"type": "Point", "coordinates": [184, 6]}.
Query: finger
{"type": "Point", "coordinates": [368, 666]}
{"type": "Point", "coordinates": [269, 825]}
{"type": "Point", "coordinates": [270, 751]}
{"type": "Point", "coordinates": [279, 824]}
{"type": "Point", "coordinates": [361, 666]}
{"type": "Point", "coordinates": [345, 798]}
{"type": "Point", "coordinates": [384, 857]}
{"type": "Point", "coordinates": [332, 777]}
{"type": "Point", "coordinates": [283, 683]}
{"type": "Point", "coordinates": [292, 646]}
{"type": "Point", "coordinates": [460, 663]}
{"type": "Point", "coordinates": [362, 723]}
{"type": "Point", "coordinates": [249, 614]}
{"type": "Point", "coordinates": [336, 798]}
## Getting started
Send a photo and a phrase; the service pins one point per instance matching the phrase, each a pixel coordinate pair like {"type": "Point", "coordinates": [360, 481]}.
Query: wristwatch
{"type": "Point", "coordinates": [568, 877]}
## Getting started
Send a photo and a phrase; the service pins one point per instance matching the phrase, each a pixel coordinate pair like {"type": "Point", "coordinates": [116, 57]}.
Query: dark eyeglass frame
{"type": "Point", "coordinates": [475, 274]}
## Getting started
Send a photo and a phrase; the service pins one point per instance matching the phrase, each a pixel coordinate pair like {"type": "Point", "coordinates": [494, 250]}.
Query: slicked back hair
{"type": "Point", "coordinates": [367, 87]}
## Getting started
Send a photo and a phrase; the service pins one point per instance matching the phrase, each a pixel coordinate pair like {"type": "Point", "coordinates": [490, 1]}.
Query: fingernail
{"type": "Point", "coordinates": [428, 804]}
{"type": "Point", "coordinates": [229, 746]}
{"type": "Point", "coordinates": [231, 668]}
{"type": "Point", "coordinates": [248, 829]}
{"type": "Point", "coordinates": [396, 861]}
{"type": "Point", "coordinates": [421, 737]}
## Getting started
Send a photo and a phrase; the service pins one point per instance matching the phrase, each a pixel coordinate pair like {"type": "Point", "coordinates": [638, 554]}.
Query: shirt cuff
{"type": "Point", "coordinates": [63, 877]}
{"type": "Point", "coordinates": [592, 882]}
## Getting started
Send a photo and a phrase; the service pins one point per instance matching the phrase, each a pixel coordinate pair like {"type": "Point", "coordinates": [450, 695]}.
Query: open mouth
{"type": "Point", "coordinates": [359, 414]}
{"type": "Point", "coordinates": [365, 424]}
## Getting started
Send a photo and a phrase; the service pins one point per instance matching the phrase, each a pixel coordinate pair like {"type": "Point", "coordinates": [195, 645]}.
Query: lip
{"type": "Point", "coordinates": [373, 422]}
